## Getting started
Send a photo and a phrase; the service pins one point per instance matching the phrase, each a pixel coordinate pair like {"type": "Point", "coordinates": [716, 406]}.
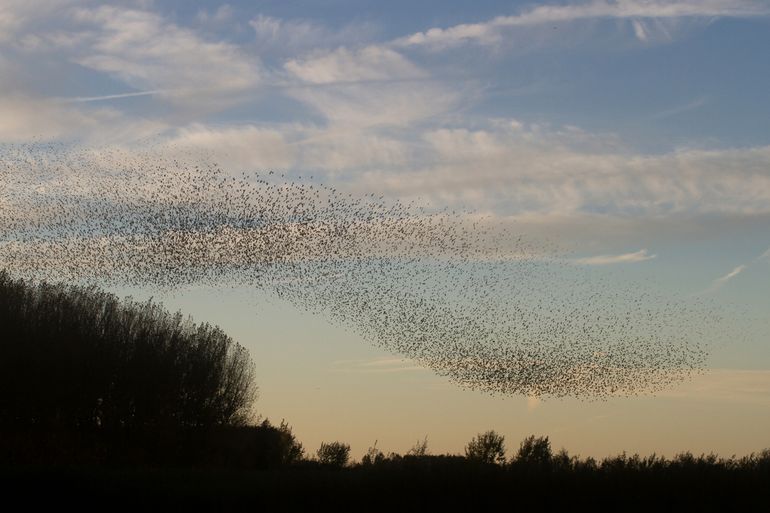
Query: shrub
{"type": "Point", "coordinates": [420, 448]}
{"type": "Point", "coordinates": [335, 454]}
{"type": "Point", "coordinates": [263, 446]}
{"type": "Point", "coordinates": [534, 451]}
{"type": "Point", "coordinates": [486, 447]}
{"type": "Point", "coordinates": [373, 456]}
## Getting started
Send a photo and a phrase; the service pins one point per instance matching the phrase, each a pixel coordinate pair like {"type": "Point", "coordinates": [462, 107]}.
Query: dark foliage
{"type": "Point", "coordinates": [534, 452]}
{"type": "Point", "coordinates": [334, 454]}
{"type": "Point", "coordinates": [419, 483]}
{"type": "Point", "coordinates": [420, 448]}
{"type": "Point", "coordinates": [488, 447]}
{"type": "Point", "coordinates": [373, 456]}
{"type": "Point", "coordinates": [75, 358]}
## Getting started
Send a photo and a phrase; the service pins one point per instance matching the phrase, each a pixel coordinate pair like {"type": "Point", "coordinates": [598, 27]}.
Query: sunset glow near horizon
{"type": "Point", "coordinates": [634, 136]}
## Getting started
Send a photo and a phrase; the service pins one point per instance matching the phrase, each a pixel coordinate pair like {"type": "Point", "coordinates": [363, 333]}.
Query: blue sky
{"type": "Point", "coordinates": [636, 133]}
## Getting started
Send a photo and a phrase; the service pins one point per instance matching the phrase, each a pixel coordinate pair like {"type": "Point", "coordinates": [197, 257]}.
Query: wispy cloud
{"type": "Point", "coordinates": [148, 52]}
{"type": "Point", "coordinates": [536, 169]}
{"type": "Point", "coordinates": [223, 14]}
{"type": "Point", "coordinates": [691, 105]}
{"type": "Point", "coordinates": [722, 280]}
{"type": "Point", "coordinates": [374, 86]}
{"type": "Point", "coordinates": [26, 118]}
{"type": "Point", "coordinates": [378, 115]}
{"type": "Point", "coordinates": [506, 168]}
{"type": "Point", "coordinates": [286, 36]}
{"type": "Point", "coordinates": [627, 258]}
{"type": "Point", "coordinates": [637, 12]}
{"type": "Point", "coordinates": [86, 99]}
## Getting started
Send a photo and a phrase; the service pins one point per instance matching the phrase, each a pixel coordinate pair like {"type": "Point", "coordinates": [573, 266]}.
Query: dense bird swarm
{"type": "Point", "coordinates": [454, 291]}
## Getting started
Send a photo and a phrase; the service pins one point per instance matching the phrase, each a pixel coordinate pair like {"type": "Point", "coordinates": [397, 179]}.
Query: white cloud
{"type": "Point", "coordinates": [9, 22]}
{"type": "Point", "coordinates": [17, 15]}
{"type": "Point", "coordinates": [387, 125]}
{"type": "Point", "coordinates": [223, 14]}
{"type": "Point", "coordinates": [245, 147]}
{"type": "Point", "coordinates": [546, 180]}
{"type": "Point", "coordinates": [639, 30]}
{"type": "Point", "coordinates": [370, 64]}
{"type": "Point", "coordinates": [719, 282]}
{"type": "Point", "coordinates": [149, 53]}
{"type": "Point", "coordinates": [722, 280]}
{"type": "Point", "coordinates": [528, 172]}
{"type": "Point", "coordinates": [638, 256]}
{"type": "Point", "coordinates": [319, 150]}
{"type": "Point", "coordinates": [647, 18]}
{"type": "Point", "coordinates": [340, 150]}
{"type": "Point", "coordinates": [517, 171]}
{"type": "Point", "coordinates": [27, 118]}
{"type": "Point", "coordinates": [378, 104]}
{"type": "Point", "coordinates": [368, 87]}
{"type": "Point", "coordinates": [287, 36]}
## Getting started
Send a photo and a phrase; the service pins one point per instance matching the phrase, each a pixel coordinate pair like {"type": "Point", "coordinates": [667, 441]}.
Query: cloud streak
{"type": "Point", "coordinates": [638, 12]}
{"type": "Point", "coordinates": [627, 258]}
{"type": "Point", "coordinates": [691, 105]}
{"type": "Point", "coordinates": [721, 281]}
{"type": "Point", "coordinates": [87, 99]}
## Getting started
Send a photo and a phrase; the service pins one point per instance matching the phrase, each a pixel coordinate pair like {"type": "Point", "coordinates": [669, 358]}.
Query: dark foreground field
{"type": "Point", "coordinates": [427, 483]}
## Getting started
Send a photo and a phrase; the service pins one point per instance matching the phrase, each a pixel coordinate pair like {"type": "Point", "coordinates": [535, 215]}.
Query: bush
{"type": "Point", "coordinates": [334, 454]}
{"type": "Point", "coordinates": [373, 456]}
{"type": "Point", "coordinates": [486, 447]}
{"type": "Point", "coordinates": [534, 451]}
{"type": "Point", "coordinates": [420, 448]}
{"type": "Point", "coordinates": [263, 446]}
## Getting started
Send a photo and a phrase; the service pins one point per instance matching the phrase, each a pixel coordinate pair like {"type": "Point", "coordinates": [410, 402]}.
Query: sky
{"type": "Point", "coordinates": [635, 133]}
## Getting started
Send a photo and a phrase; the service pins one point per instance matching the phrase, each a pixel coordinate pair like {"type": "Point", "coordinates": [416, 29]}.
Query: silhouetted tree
{"type": "Point", "coordinates": [563, 461]}
{"type": "Point", "coordinates": [79, 358]}
{"type": "Point", "coordinates": [335, 454]}
{"type": "Point", "coordinates": [534, 451]}
{"type": "Point", "coordinates": [291, 448]}
{"type": "Point", "coordinates": [263, 446]}
{"type": "Point", "coordinates": [488, 447]}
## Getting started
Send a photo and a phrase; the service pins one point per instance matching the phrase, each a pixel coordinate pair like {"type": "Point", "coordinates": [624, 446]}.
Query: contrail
{"type": "Point", "coordinates": [86, 99]}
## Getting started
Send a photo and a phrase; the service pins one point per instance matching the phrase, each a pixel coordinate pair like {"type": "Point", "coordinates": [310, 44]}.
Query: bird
{"type": "Point", "coordinates": [490, 309]}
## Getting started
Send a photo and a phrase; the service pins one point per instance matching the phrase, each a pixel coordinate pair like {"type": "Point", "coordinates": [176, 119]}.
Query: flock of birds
{"type": "Point", "coordinates": [453, 291]}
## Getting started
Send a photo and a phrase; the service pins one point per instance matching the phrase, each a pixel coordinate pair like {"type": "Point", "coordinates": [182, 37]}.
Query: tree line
{"type": "Point", "coordinates": [92, 380]}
